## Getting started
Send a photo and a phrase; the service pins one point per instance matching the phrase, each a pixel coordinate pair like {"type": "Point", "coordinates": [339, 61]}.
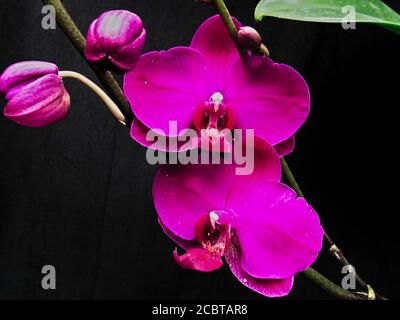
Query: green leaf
{"type": "Point", "coordinates": [330, 11]}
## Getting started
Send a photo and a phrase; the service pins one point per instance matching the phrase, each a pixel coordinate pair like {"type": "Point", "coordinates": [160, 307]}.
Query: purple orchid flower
{"type": "Point", "coordinates": [210, 87]}
{"type": "Point", "coordinates": [116, 36]}
{"type": "Point", "coordinates": [35, 93]}
{"type": "Point", "coordinates": [265, 232]}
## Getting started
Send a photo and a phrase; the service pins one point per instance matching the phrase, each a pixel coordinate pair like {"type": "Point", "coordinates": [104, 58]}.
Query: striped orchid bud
{"type": "Point", "coordinates": [116, 37]}
{"type": "Point", "coordinates": [35, 93]}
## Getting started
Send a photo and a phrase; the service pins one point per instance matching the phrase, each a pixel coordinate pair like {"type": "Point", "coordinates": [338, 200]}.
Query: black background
{"type": "Point", "coordinates": [77, 195]}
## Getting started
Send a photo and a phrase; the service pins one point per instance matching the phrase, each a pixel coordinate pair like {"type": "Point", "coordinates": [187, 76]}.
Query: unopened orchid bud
{"type": "Point", "coordinates": [35, 93]}
{"type": "Point", "coordinates": [249, 38]}
{"type": "Point", "coordinates": [118, 37]}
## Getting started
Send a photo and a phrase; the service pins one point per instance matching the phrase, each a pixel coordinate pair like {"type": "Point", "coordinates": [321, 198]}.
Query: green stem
{"type": "Point", "coordinates": [227, 18]}
{"type": "Point", "coordinates": [106, 78]}
{"type": "Point", "coordinates": [310, 273]}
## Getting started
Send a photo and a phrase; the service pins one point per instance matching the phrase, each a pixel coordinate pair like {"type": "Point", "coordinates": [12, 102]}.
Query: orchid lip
{"type": "Point", "coordinates": [214, 241]}
{"type": "Point", "coordinates": [213, 236]}
{"type": "Point", "coordinates": [213, 117]}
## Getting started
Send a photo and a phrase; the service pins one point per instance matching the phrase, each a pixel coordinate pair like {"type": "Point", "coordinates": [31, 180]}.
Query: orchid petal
{"type": "Point", "coordinates": [279, 234]}
{"type": "Point", "coordinates": [93, 49]}
{"type": "Point", "coordinates": [268, 287]}
{"type": "Point", "coordinates": [167, 86]}
{"type": "Point", "coordinates": [139, 133]}
{"type": "Point", "coordinates": [267, 165]}
{"type": "Point", "coordinates": [273, 99]}
{"type": "Point", "coordinates": [213, 40]}
{"type": "Point", "coordinates": [184, 244]}
{"type": "Point", "coordinates": [183, 194]}
{"type": "Point", "coordinates": [285, 147]}
{"type": "Point", "coordinates": [40, 103]}
{"type": "Point", "coordinates": [22, 73]}
{"type": "Point", "coordinates": [117, 28]}
{"type": "Point", "coordinates": [126, 57]}
{"type": "Point", "coordinates": [199, 260]}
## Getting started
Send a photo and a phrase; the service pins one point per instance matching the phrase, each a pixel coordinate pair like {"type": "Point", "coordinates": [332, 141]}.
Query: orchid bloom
{"type": "Point", "coordinates": [209, 87]}
{"type": "Point", "coordinates": [35, 93]}
{"type": "Point", "coordinates": [265, 232]}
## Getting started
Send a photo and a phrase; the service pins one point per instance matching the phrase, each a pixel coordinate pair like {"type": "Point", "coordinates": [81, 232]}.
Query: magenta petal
{"type": "Point", "coordinates": [268, 287]}
{"type": "Point", "coordinates": [267, 165]}
{"type": "Point", "coordinates": [139, 133]}
{"type": "Point", "coordinates": [184, 244]}
{"type": "Point", "coordinates": [183, 194]}
{"type": "Point", "coordinates": [279, 234]}
{"type": "Point", "coordinates": [212, 39]}
{"type": "Point", "coordinates": [117, 28]}
{"type": "Point", "coordinates": [285, 147]}
{"type": "Point", "coordinates": [117, 35]}
{"type": "Point", "coordinates": [93, 48]}
{"type": "Point", "coordinates": [22, 73]}
{"type": "Point", "coordinates": [127, 57]}
{"type": "Point", "coordinates": [40, 103]}
{"type": "Point", "coordinates": [167, 86]}
{"type": "Point", "coordinates": [273, 99]}
{"type": "Point", "coordinates": [199, 260]}
{"type": "Point", "coordinates": [17, 88]}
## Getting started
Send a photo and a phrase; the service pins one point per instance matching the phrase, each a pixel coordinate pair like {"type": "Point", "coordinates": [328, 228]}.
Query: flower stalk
{"type": "Point", "coordinates": [227, 18]}
{"type": "Point", "coordinates": [310, 273]}
{"type": "Point", "coordinates": [96, 89]}
{"type": "Point", "coordinates": [106, 78]}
